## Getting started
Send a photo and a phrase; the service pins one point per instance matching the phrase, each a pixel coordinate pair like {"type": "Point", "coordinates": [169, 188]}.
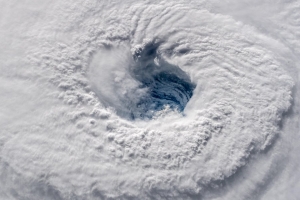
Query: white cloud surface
{"type": "Point", "coordinates": [66, 73]}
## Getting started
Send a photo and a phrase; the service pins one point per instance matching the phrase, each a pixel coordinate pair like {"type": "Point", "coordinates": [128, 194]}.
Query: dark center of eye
{"type": "Point", "coordinates": [166, 84]}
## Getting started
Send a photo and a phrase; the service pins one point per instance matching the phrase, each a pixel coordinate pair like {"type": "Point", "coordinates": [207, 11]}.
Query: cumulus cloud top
{"type": "Point", "coordinates": [138, 100]}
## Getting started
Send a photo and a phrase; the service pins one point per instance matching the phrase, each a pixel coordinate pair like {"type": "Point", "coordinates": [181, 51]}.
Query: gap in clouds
{"type": "Point", "coordinates": [141, 85]}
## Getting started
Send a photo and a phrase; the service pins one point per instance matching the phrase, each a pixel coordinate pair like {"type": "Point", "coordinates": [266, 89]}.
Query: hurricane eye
{"type": "Point", "coordinates": [166, 84]}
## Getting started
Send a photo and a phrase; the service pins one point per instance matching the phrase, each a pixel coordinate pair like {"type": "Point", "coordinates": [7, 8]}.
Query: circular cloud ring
{"type": "Point", "coordinates": [241, 95]}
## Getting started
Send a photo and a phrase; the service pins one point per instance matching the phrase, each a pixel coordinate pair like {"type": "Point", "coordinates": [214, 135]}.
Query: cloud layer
{"type": "Point", "coordinates": [84, 73]}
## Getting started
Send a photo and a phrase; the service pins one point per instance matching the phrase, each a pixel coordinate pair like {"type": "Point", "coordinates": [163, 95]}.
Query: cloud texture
{"type": "Point", "coordinates": [77, 122]}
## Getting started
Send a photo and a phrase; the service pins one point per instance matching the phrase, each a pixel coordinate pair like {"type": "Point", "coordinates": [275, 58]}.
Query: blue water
{"type": "Point", "coordinates": [167, 84]}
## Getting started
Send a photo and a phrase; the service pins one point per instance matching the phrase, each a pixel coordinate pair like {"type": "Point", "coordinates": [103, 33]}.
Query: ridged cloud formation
{"type": "Point", "coordinates": [150, 101]}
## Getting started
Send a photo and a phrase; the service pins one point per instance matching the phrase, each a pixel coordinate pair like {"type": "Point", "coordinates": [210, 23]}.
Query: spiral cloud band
{"type": "Point", "coordinates": [138, 100]}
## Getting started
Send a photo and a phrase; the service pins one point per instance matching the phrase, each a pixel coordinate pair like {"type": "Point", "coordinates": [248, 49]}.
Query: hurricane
{"type": "Point", "coordinates": [131, 100]}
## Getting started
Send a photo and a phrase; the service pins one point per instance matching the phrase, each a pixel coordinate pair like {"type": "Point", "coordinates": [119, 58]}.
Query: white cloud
{"type": "Point", "coordinates": [71, 77]}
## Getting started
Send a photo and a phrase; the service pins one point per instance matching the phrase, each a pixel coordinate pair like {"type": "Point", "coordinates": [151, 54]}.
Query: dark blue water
{"type": "Point", "coordinates": [167, 84]}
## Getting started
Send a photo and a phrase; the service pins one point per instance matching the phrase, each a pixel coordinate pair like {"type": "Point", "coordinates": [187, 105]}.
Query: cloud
{"type": "Point", "coordinates": [98, 67]}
